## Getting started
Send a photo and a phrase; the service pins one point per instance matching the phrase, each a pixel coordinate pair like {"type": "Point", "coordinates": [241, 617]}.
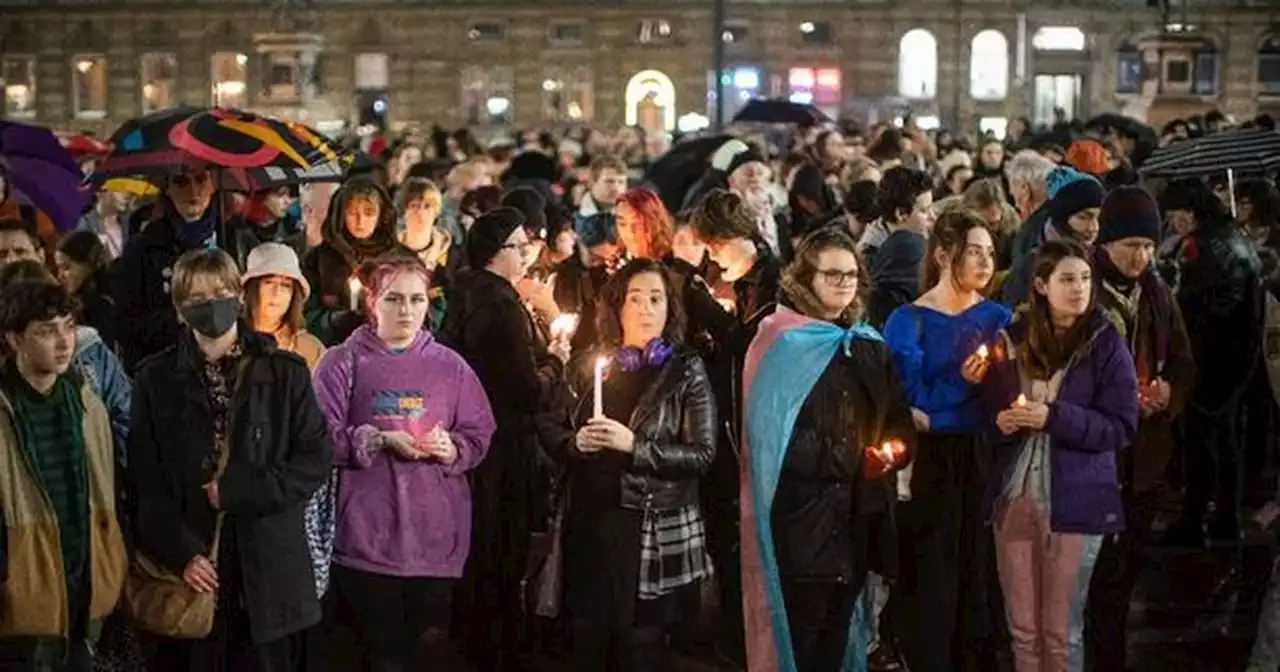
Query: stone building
{"type": "Point", "coordinates": [90, 64]}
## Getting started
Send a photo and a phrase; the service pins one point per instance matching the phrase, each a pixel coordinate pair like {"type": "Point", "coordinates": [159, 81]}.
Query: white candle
{"type": "Point", "coordinates": [598, 408]}
{"type": "Point", "coordinates": [1021, 400]}
{"type": "Point", "coordinates": [982, 351]}
{"type": "Point", "coordinates": [564, 325]}
{"type": "Point", "coordinates": [353, 293]}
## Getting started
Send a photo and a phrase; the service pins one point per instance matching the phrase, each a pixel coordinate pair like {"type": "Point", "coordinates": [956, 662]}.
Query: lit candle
{"type": "Point", "coordinates": [598, 407]}
{"type": "Point", "coordinates": [564, 325]}
{"type": "Point", "coordinates": [982, 351]}
{"type": "Point", "coordinates": [1021, 400]}
{"type": "Point", "coordinates": [353, 293]}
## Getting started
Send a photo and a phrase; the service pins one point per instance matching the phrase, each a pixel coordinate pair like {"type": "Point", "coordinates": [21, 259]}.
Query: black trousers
{"type": "Point", "coordinates": [1120, 561]}
{"type": "Point", "coordinates": [16, 655]}
{"type": "Point", "coordinates": [1213, 461]}
{"type": "Point", "coordinates": [597, 648]}
{"type": "Point", "coordinates": [401, 622]}
{"type": "Point", "coordinates": [720, 508]}
{"type": "Point", "coordinates": [818, 615]}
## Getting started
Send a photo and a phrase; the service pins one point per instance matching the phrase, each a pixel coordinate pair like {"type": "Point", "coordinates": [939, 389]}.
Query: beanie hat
{"type": "Point", "coordinates": [1077, 195]}
{"type": "Point", "coordinates": [489, 233]}
{"type": "Point", "coordinates": [533, 206]}
{"type": "Point", "coordinates": [1089, 156]}
{"type": "Point", "coordinates": [724, 154]}
{"type": "Point", "coordinates": [751, 155]}
{"type": "Point", "coordinates": [596, 229]}
{"type": "Point", "coordinates": [1129, 212]}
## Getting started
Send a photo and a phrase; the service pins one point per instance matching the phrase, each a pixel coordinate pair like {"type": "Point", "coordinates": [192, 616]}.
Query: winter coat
{"type": "Point", "coordinates": [279, 456]}
{"type": "Point", "coordinates": [895, 274]}
{"type": "Point", "coordinates": [1094, 416]}
{"type": "Point", "coordinates": [674, 423]}
{"type": "Point", "coordinates": [104, 373]}
{"type": "Point", "coordinates": [397, 517]}
{"type": "Point", "coordinates": [245, 235]}
{"type": "Point", "coordinates": [822, 495]}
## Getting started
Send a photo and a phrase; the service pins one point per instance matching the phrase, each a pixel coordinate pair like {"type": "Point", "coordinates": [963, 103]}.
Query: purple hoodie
{"type": "Point", "coordinates": [399, 517]}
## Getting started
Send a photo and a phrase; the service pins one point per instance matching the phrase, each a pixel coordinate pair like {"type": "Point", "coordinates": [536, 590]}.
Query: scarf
{"type": "Point", "coordinates": [1126, 296]}
{"type": "Point", "coordinates": [784, 362]}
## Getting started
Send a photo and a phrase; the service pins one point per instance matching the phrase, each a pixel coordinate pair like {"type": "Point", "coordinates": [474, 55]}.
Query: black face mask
{"type": "Point", "coordinates": [212, 318]}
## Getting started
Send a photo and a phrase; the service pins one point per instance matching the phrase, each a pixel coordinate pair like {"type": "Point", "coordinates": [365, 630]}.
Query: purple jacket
{"type": "Point", "coordinates": [399, 517]}
{"type": "Point", "coordinates": [1094, 416]}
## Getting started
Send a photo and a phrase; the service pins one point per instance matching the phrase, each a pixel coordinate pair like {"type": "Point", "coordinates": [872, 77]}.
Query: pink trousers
{"type": "Point", "coordinates": [1045, 577]}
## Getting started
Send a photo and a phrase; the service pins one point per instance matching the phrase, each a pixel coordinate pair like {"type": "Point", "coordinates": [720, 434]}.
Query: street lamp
{"type": "Point", "coordinates": [717, 41]}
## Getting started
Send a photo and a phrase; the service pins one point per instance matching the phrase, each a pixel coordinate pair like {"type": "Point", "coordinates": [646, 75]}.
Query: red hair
{"type": "Point", "coordinates": [379, 273]}
{"type": "Point", "coordinates": [654, 229]}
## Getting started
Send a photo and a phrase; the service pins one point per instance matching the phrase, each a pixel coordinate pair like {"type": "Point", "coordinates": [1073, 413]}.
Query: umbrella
{"type": "Point", "coordinates": [81, 146]}
{"type": "Point", "coordinates": [675, 172]}
{"type": "Point", "coordinates": [252, 153]}
{"type": "Point", "coordinates": [130, 185]}
{"type": "Point", "coordinates": [1244, 152]}
{"type": "Point", "coordinates": [780, 112]}
{"type": "Point", "coordinates": [42, 173]}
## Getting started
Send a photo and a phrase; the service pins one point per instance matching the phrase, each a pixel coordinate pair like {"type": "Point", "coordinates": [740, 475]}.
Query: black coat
{"type": "Point", "coordinates": [828, 521]}
{"type": "Point", "coordinates": [280, 454]}
{"type": "Point", "coordinates": [674, 423]}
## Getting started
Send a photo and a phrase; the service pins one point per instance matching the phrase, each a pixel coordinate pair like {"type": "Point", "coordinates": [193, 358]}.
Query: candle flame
{"type": "Point", "coordinates": [982, 351]}
{"type": "Point", "coordinates": [566, 324]}
{"type": "Point", "coordinates": [601, 363]}
{"type": "Point", "coordinates": [1021, 400]}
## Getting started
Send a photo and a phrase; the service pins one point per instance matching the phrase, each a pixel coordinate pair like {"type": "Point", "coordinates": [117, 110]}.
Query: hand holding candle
{"type": "Point", "coordinates": [877, 460]}
{"type": "Point", "coordinates": [564, 326]}
{"type": "Point", "coordinates": [1020, 401]}
{"type": "Point", "coordinates": [353, 293]}
{"type": "Point", "coordinates": [598, 406]}
{"type": "Point", "coordinates": [974, 367]}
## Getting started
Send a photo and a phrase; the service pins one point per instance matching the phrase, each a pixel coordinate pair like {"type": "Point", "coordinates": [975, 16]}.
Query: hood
{"type": "Point", "coordinates": [335, 228]}
{"type": "Point", "coordinates": [86, 337]}
{"type": "Point", "coordinates": [899, 258]}
{"type": "Point", "coordinates": [365, 341]}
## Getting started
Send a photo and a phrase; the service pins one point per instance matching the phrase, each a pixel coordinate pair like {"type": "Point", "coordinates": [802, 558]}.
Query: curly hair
{"type": "Point", "coordinates": [653, 229]}
{"type": "Point", "coordinates": [899, 189]}
{"type": "Point", "coordinates": [25, 302]}
{"type": "Point", "coordinates": [614, 294]}
{"type": "Point", "coordinates": [797, 278]}
{"type": "Point", "coordinates": [723, 216]}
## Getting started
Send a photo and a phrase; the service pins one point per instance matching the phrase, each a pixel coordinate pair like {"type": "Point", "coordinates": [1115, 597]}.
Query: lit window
{"type": "Point", "coordinates": [1058, 38]}
{"type": "Point", "coordinates": [1269, 65]}
{"type": "Point", "coordinates": [487, 94]}
{"type": "Point", "coordinates": [568, 93]}
{"type": "Point", "coordinates": [651, 31]}
{"type": "Point", "coordinates": [918, 65]}
{"type": "Point", "coordinates": [159, 74]}
{"type": "Point", "coordinates": [989, 66]}
{"type": "Point", "coordinates": [230, 72]}
{"type": "Point", "coordinates": [486, 31]}
{"type": "Point", "coordinates": [19, 76]}
{"type": "Point", "coordinates": [89, 86]}
{"type": "Point", "coordinates": [996, 126]}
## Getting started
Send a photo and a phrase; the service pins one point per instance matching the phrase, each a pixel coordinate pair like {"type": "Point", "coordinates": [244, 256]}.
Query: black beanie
{"type": "Point", "coordinates": [1080, 194]}
{"type": "Point", "coordinates": [489, 233]}
{"type": "Point", "coordinates": [533, 206]}
{"type": "Point", "coordinates": [1129, 212]}
{"type": "Point", "coordinates": [750, 155]}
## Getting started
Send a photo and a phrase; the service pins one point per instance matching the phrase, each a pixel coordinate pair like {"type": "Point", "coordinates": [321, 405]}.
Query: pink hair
{"type": "Point", "coordinates": [379, 273]}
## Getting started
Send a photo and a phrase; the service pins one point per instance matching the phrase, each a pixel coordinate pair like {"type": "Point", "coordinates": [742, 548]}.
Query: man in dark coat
{"type": "Point", "coordinates": [225, 426]}
{"type": "Point", "coordinates": [488, 325]}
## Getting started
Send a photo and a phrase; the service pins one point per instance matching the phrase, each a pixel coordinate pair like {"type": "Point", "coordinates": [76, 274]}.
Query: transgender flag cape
{"type": "Point", "coordinates": [785, 360]}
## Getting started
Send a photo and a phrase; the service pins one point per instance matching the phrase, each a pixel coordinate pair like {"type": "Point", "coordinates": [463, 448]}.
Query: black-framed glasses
{"type": "Point", "coordinates": [837, 278]}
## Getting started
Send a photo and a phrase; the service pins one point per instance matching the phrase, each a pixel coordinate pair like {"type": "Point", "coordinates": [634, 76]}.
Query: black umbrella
{"type": "Point", "coordinates": [675, 172]}
{"type": "Point", "coordinates": [780, 112]}
{"type": "Point", "coordinates": [1244, 152]}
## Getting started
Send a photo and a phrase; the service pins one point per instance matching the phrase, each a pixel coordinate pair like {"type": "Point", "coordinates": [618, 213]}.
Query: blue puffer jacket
{"type": "Point", "coordinates": [105, 374]}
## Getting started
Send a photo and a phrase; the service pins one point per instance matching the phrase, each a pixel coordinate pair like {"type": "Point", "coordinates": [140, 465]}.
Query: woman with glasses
{"type": "Point", "coordinates": [826, 423]}
{"type": "Point", "coordinates": [221, 501]}
{"type": "Point", "coordinates": [943, 604]}
{"type": "Point", "coordinates": [520, 369]}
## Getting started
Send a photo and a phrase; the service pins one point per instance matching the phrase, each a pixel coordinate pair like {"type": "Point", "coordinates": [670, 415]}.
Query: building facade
{"type": "Point", "coordinates": [91, 64]}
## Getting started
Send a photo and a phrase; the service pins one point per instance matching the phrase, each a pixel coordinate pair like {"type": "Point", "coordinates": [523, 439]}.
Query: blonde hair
{"type": "Point", "coordinates": [204, 263]}
{"type": "Point", "coordinates": [416, 188]}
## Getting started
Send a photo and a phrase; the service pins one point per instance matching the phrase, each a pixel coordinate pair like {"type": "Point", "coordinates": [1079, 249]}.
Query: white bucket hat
{"type": "Point", "coordinates": [270, 259]}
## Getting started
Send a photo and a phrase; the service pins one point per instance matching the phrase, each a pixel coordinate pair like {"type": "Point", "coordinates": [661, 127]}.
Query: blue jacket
{"type": "Point", "coordinates": [1094, 416]}
{"type": "Point", "coordinates": [100, 367]}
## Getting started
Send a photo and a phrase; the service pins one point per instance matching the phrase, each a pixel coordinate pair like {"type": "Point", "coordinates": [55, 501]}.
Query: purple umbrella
{"type": "Point", "coordinates": [40, 172]}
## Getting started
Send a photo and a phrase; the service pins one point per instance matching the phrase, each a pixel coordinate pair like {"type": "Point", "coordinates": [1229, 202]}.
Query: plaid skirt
{"type": "Point", "coordinates": [673, 551]}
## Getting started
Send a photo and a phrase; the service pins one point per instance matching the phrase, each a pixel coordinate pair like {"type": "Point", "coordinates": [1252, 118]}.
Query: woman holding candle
{"type": "Point", "coordinates": [1056, 491]}
{"type": "Point", "coordinates": [826, 423]}
{"type": "Point", "coordinates": [361, 226]}
{"type": "Point", "coordinates": [633, 529]}
{"type": "Point", "coordinates": [521, 370]}
{"type": "Point", "coordinates": [408, 420]}
{"type": "Point", "coordinates": [946, 605]}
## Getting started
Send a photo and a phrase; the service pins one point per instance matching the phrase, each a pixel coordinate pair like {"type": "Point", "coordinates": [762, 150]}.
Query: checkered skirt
{"type": "Point", "coordinates": [673, 551]}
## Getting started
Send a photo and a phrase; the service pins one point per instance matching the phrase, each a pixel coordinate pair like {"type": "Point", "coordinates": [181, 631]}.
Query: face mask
{"type": "Point", "coordinates": [214, 318]}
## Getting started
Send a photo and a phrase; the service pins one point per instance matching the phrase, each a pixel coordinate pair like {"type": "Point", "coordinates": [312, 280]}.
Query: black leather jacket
{"type": "Point", "coordinates": [675, 435]}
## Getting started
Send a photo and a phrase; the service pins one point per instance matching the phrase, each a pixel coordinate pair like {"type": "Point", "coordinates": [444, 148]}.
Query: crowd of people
{"type": "Point", "coordinates": [838, 397]}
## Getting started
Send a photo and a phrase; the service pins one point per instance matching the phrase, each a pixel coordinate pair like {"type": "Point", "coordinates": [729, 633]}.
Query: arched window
{"type": "Point", "coordinates": [989, 66]}
{"type": "Point", "coordinates": [918, 65]}
{"type": "Point", "coordinates": [1269, 65]}
{"type": "Point", "coordinates": [1058, 38]}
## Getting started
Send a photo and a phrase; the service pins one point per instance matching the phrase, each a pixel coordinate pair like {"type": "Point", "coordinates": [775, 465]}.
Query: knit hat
{"type": "Point", "coordinates": [270, 259]}
{"type": "Point", "coordinates": [1079, 194]}
{"type": "Point", "coordinates": [1089, 156]}
{"type": "Point", "coordinates": [533, 206]}
{"type": "Point", "coordinates": [489, 233]}
{"type": "Point", "coordinates": [1129, 212]}
{"type": "Point", "coordinates": [751, 155]}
